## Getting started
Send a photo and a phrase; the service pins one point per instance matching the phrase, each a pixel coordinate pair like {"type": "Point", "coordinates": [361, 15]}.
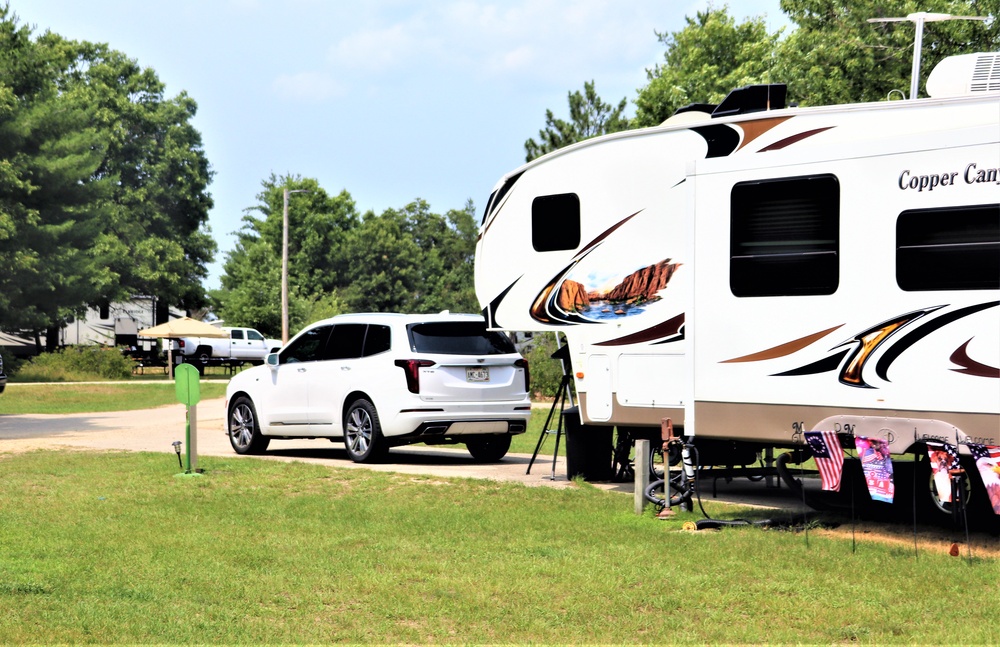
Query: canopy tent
{"type": "Point", "coordinates": [183, 327]}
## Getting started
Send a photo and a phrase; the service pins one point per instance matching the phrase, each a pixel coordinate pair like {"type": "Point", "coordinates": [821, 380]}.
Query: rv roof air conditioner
{"type": "Point", "coordinates": [965, 74]}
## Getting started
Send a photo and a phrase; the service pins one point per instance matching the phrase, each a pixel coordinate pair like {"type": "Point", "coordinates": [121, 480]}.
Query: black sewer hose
{"type": "Point", "coordinates": [781, 464]}
{"type": "Point", "coordinates": [709, 523]}
{"type": "Point", "coordinates": [714, 524]}
{"type": "Point", "coordinates": [795, 485]}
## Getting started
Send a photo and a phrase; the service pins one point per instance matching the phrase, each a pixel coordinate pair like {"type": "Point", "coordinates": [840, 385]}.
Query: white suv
{"type": "Point", "coordinates": [381, 380]}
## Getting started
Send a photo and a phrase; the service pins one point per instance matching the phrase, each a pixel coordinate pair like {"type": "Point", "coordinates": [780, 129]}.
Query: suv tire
{"type": "Point", "coordinates": [363, 433]}
{"type": "Point", "coordinates": [488, 449]}
{"type": "Point", "coordinates": [244, 432]}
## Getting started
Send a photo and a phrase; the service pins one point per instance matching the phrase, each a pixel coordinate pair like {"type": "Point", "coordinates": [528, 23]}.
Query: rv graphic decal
{"type": "Point", "coordinates": [783, 349]}
{"type": "Point", "coordinates": [722, 139]}
{"type": "Point", "coordinates": [489, 314]}
{"type": "Point", "coordinates": [890, 355]}
{"type": "Point", "coordinates": [859, 349]}
{"type": "Point", "coordinates": [970, 366]}
{"type": "Point", "coordinates": [866, 343]}
{"type": "Point", "coordinates": [754, 129]}
{"type": "Point", "coordinates": [563, 300]}
{"type": "Point", "coordinates": [601, 298]}
{"type": "Point", "coordinates": [668, 331]}
{"type": "Point", "coordinates": [788, 141]}
{"type": "Point", "coordinates": [725, 139]}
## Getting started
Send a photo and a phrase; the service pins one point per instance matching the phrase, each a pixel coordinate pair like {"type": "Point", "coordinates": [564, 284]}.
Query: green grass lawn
{"type": "Point", "coordinates": [113, 548]}
{"type": "Point", "coordinates": [94, 397]}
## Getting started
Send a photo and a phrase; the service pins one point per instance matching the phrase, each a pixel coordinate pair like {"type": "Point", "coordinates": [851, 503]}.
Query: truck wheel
{"type": "Point", "coordinates": [244, 432]}
{"type": "Point", "coordinates": [203, 354]}
{"type": "Point", "coordinates": [363, 433]}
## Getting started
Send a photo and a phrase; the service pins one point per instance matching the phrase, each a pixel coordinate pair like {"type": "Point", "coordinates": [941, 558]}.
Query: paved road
{"type": "Point", "coordinates": [155, 430]}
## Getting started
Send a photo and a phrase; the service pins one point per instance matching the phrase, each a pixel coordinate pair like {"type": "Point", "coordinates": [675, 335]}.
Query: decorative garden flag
{"type": "Point", "coordinates": [877, 466]}
{"type": "Point", "coordinates": [829, 457]}
{"type": "Point", "coordinates": [944, 458]}
{"type": "Point", "coordinates": [988, 462]}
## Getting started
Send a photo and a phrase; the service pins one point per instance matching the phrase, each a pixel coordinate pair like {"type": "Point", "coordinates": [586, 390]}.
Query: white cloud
{"type": "Point", "coordinates": [547, 41]}
{"type": "Point", "coordinates": [375, 50]}
{"type": "Point", "coordinates": [308, 86]}
{"type": "Point", "coordinates": [520, 58]}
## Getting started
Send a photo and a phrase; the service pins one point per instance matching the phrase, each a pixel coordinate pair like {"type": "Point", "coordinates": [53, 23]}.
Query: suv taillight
{"type": "Point", "coordinates": [523, 363]}
{"type": "Point", "coordinates": [412, 369]}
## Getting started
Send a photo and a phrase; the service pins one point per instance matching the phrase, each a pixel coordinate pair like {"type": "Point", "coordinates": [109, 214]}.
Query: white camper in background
{"type": "Point", "coordinates": [753, 271]}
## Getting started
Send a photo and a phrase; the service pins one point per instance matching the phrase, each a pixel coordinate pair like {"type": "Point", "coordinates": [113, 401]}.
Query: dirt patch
{"type": "Point", "coordinates": [928, 539]}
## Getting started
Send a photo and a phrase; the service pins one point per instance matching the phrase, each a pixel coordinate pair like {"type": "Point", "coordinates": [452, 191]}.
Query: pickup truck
{"type": "Point", "coordinates": [241, 345]}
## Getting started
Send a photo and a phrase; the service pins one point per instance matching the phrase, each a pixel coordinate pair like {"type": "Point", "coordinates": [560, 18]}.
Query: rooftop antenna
{"type": "Point", "coordinates": [919, 19]}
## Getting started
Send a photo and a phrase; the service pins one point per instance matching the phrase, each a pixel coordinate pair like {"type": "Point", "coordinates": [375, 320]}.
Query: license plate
{"type": "Point", "coordinates": [477, 374]}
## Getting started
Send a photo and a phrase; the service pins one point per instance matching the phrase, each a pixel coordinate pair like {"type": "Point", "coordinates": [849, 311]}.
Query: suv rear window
{"type": "Point", "coordinates": [458, 338]}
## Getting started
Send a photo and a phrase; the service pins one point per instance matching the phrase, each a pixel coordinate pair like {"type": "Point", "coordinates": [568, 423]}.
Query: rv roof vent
{"type": "Point", "coordinates": [965, 74]}
{"type": "Point", "coordinates": [752, 98]}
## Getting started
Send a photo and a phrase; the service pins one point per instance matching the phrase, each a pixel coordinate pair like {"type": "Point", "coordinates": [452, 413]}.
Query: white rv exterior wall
{"type": "Point", "coordinates": [124, 317]}
{"type": "Point", "coordinates": [679, 207]}
{"type": "Point", "coordinates": [748, 399]}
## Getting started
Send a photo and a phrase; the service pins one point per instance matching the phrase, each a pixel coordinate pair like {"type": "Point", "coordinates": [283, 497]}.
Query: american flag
{"type": "Point", "coordinates": [984, 451]}
{"type": "Point", "coordinates": [829, 457]}
{"type": "Point", "coordinates": [988, 461]}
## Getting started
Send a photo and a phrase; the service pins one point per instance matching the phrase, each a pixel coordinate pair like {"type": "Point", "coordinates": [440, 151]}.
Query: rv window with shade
{"type": "Point", "coordinates": [952, 248]}
{"type": "Point", "coordinates": [555, 222]}
{"type": "Point", "coordinates": [784, 237]}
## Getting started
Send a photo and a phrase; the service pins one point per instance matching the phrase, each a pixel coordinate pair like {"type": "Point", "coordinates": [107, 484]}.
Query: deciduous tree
{"type": "Point", "coordinates": [836, 56]}
{"type": "Point", "coordinates": [703, 61]}
{"type": "Point", "coordinates": [51, 196]}
{"type": "Point", "coordinates": [156, 238]}
{"type": "Point", "coordinates": [318, 225]}
{"type": "Point", "coordinates": [406, 260]}
{"type": "Point", "coordinates": [104, 182]}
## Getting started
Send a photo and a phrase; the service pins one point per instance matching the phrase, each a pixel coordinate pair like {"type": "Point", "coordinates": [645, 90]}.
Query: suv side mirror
{"type": "Point", "coordinates": [272, 360]}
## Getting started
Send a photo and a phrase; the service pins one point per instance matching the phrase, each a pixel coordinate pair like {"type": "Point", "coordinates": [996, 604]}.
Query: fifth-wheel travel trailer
{"type": "Point", "coordinates": [752, 271]}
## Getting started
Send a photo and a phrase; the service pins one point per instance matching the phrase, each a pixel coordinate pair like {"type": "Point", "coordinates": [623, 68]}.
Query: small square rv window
{"type": "Point", "coordinates": [555, 222]}
{"type": "Point", "coordinates": [951, 248]}
{"type": "Point", "coordinates": [785, 237]}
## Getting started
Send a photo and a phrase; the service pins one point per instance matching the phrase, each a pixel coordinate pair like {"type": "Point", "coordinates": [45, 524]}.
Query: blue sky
{"type": "Point", "coordinates": [389, 99]}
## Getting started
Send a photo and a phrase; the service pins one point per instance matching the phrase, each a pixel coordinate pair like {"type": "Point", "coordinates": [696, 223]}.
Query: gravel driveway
{"type": "Point", "coordinates": [155, 430]}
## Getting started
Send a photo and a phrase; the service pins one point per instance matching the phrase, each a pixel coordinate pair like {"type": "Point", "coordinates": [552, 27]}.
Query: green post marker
{"type": "Point", "coordinates": [188, 387]}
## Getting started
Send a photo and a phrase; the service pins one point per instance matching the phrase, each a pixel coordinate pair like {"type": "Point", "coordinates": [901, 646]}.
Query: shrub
{"type": "Point", "coordinates": [546, 373]}
{"type": "Point", "coordinates": [77, 363]}
{"type": "Point", "coordinates": [11, 364]}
